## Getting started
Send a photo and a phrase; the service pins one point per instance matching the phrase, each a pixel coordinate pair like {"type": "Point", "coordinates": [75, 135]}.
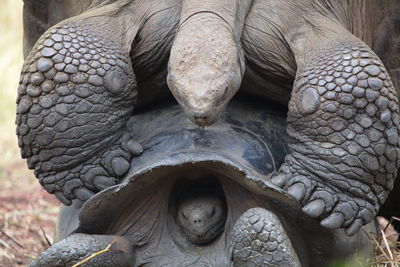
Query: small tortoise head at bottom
{"type": "Point", "coordinates": [201, 217]}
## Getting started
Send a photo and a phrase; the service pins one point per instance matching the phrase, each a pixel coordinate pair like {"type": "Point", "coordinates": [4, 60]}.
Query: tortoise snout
{"type": "Point", "coordinates": [201, 217]}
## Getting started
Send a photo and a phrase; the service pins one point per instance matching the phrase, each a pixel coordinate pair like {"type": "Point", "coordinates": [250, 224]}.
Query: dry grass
{"type": "Point", "coordinates": [26, 211]}
{"type": "Point", "coordinates": [387, 252]}
{"type": "Point", "coordinates": [26, 225]}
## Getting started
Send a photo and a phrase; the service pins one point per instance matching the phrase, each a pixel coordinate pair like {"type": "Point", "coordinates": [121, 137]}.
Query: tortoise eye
{"type": "Point", "coordinates": [212, 212]}
{"type": "Point", "coordinates": [183, 215]}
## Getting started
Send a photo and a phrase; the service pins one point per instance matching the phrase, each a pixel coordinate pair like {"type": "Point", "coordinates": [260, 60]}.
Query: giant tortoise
{"type": "Point", "coordinates": [321, 59]}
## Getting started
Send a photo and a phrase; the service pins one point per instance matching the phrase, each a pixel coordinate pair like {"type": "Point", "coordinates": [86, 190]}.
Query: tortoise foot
{"type": "Point", "coordinates": [99, 172]}
{"type": "Point", "coordinates": [334, 207]}
{"type": "Point", "coordinates": [111, 251]}
{"type": "Point", "coordinates": [259, 239]}
{"type": "Point", "coordinates": [343, 135]}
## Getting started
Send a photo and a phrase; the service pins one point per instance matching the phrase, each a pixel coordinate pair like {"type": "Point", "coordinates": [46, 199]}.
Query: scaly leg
{"type": "Point", "coordinates": [76, 93]}
{"type": "Point", "coordinates": [343, 127]}
{"type": "Point", "coordinates": [259, 239]}
{"type": "Point", "coordinates": [78, 247]}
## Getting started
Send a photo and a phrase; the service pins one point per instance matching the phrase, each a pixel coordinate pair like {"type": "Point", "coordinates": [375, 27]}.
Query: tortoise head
{"type": "Point", "coordinates": [206, 63]}
{"type": "Point", "coordinates": [201, 217]}
{"type": "Point", "coordinates": [203, 91]}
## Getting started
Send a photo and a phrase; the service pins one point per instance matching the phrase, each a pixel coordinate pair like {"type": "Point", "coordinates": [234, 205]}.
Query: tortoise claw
{"type": "Point", "coordinates": [315, 208]}
{"type": "Point", "coordinates": [354, 227]}
{"type": "Point", "coordinates": [333, 221]}
{"type": "Point", "coordinates": [279, 180]}
{"type": "Point", "coordinates": [102, 182]}
{"type": "Point", "coordinates": [298, 191]}
{"type": "Point", "coordinates": [134, 147]}
{"type": "Point", "coordinates": [60, 196]}
{"type": "Point", "coordinates": [83, 194]}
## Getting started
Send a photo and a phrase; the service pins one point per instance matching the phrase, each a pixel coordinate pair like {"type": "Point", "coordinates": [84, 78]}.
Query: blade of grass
{"type": "Point", "coordinates": [94, 255]}
{"type": "Point", "coordinates": [45, 237]}
{"type": "Point", "coordinates": [387, 245]}
{"type": "Point", "coordinates": [12, 239]}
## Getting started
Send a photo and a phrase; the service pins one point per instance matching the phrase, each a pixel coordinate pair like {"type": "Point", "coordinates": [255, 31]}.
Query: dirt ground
{"type": "Point", "coordinates": [28, 216]}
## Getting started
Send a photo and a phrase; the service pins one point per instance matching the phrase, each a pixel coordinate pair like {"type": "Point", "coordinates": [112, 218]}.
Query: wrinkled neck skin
{"type": "Point", "coordinates": [302, 23]}
{"type": "Point", "coordinates": [232, 13]}
{"type": "Point", "coordinates": [206, 64]}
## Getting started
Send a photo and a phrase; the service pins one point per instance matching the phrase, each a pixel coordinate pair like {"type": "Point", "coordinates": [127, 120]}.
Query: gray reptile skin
{"type": "Point", "coordinates": [343, 119]}
{"type": "Point", "coordinates": [259, 239]}
{"type": "Point", "coordinates": [331, 67]}
{"type": "Point", "coordinates": [201, 217]}
{"type": "Point", "coordinates": [74, 81]}
{"type": "Point", "coordinates": [77, 247]}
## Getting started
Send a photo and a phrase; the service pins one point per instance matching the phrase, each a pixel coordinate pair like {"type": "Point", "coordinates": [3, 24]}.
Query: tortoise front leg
{"type": "Point", "coordinates": [114, 251]}
{"type": "Point", "coordinates": [259, 239]}
{"type": "Point", "coordinates": [343, 127]}
{"type": "Point", "coordinates": [76, 93]}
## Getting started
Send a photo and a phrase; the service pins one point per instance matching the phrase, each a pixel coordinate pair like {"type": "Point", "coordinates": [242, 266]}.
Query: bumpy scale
{"type": "Point", "coordinates": [259, 239]}
{"type": "Point", "coordinates": [77, 90]}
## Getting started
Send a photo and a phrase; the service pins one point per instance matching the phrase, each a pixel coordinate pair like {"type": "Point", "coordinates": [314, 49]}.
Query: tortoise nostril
{"type": "Point", "coordinates": [201, 121]}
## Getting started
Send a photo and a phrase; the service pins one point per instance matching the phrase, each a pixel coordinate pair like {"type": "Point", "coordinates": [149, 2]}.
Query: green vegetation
{"type": "Point", "coordinates": [358, 260]}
